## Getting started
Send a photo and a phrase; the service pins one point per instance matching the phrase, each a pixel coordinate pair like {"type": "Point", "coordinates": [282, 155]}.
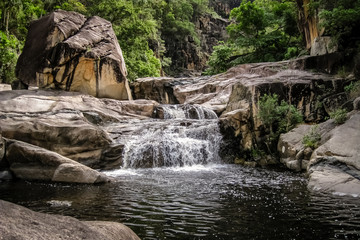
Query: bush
{"type": "Point", "coordinates": [284, 116]}
{"type": "Point", "coordinates": [313, 138]}
{"type": "Point", "coordinates": [353, 90]}
{"type": "Point", "coordinates": [339, 116]}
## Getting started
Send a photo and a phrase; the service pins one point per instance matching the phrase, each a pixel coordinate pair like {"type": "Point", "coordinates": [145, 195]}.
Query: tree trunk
{"type": "Point", "coordinates": [308, 23]}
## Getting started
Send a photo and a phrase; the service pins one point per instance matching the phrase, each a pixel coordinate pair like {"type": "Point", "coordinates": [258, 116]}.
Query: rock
{"type": "Point", "coordinates": [290, 144]}
{"type": "Point", "coordinates": [332, 176]}
{"type": "Point", "coordinates": [18, 222]}
{"type": "Point", "coordinates": [30, 162]}
{"type": "Point", "coordinates": [5, 87]}
{"type": "Point", "coordinates": [357, 104]}
{"type": "Point", "coordinates": [71, 124]}
{"type": "Point", "coordinates": [2, 148]}
{"type": "Point", "coordinates": [6, 175]}
{"type": "Point", "coordinates": [334, 144]}
{"type": "Point", "coordinates": [335, 165]}
{"type": "Point", "coordinates": [322, 45]}
{"type": "Point", "coordinates": [234, 95]}
{"type": "Point", "coordinates": [65, 50]}
{"type": "Point", "coordinates": [187, 56]}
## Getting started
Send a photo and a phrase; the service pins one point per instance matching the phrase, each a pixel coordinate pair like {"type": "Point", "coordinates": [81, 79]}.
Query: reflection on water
{"type": "Point", "coordinates": [200, 202]}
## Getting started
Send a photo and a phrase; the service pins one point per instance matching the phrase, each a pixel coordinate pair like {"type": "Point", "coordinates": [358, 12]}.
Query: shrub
{"type": "Point", "coordinates": [339, 116]}
{"type": "Point", "coordinates": [313, 138]}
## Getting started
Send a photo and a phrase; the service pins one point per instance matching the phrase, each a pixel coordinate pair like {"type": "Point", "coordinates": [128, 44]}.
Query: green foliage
{"type": "Point", "coordinates": [312, 138]}
{"type": "Point", "coordinates": [353, 90]}
{"type": "Point", "coordinates": [283, 116]}
{"type": "Point", "coordinates": [339, 116]}
{"type": "Point", "coordinates": [289, 117]}
{"type": "Point", "coordinates": [9, 50]}
{"type": "Point", "coordinates": [260, 31]}
{"type": "Point", "coordinates": [340, 19]}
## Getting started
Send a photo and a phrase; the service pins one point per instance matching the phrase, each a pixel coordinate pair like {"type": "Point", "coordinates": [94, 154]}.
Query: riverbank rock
{"type": "Point", "coordinates": [65, 50]}
{"type": "Point", "coordinates": [30, 162]}
{"type": "Point", "coordinates": [334, 165]}
{"type": "Point", "coordinates": [18, 222]}
{"type": "Point", "coordinates": [69, 123]}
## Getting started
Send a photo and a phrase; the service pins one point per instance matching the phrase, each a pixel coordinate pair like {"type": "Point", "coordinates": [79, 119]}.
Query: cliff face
{"type": "Point", "coordinates": [223, 7]}
{"type": "Point", "coordinates": [186, 55]}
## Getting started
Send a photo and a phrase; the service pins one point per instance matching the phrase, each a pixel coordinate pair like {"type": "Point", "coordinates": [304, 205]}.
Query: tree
{"type": "Point", "coordinates": [260, 31]}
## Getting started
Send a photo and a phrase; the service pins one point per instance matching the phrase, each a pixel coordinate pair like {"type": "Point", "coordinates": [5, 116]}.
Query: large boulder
{"type": "Point", "coordinates": [18, 222]}
{"type": "Point", "coordinates": [66, 50]}
{"type": "Point", "coordinates": [69, 123]}
{"type": "Point", "coordinates": [334, 165]}
{"type": "Point", "coordinates": [30, 162]}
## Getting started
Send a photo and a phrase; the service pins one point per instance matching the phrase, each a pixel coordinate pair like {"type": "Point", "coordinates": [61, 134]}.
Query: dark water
{"type": "Point", "coordinates": [201, 202]}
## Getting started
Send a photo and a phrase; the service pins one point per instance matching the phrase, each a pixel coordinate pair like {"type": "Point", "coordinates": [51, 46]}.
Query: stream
{"type": "Point", "coordinates": [173, 185]}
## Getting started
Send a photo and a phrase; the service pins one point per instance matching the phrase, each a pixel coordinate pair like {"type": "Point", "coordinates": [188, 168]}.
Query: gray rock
{"type": "Point", "coordinates": [65, 122]}
{"type": "Point", "coordinates": [322, 45]}
{"type": "Point", "coordinates": [65, 50]}
{"type": "Point", "coordinates": [335, 165]}
{"type": "Point", "coordinates": [30, 162]}
{"type": "Point", "coordinates": [327, 174]}
{"type": "Point", "coordinates": [18, 222]}
{"type": "Point", "coordinates": [5, 87]}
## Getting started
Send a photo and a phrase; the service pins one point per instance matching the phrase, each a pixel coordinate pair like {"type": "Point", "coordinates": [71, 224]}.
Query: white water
{"type": "Point", "coordinates": [173, 142]}
{"type": "Point", "coordinates": [187, 111]}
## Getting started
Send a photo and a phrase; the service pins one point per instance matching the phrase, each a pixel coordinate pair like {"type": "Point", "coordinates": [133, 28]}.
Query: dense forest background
{"type": "Point", "coordinates": [147, 30]}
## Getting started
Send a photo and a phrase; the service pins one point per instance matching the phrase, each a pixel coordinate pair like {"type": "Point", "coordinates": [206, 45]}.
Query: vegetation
{"type": "Point", "coordinates": [278, 118]}
{"type": "Point", "coordinates": [260, 31]}
{"type": "Point", "coordinates": [281, 116]}
{"type": "Point", "coordinates": [339, 116]}
{"type": "Point", "coordinates": [340, 19]}
{"type": "Point", "coordinates": [140, 26]}
{"type": "Point", "coordinates": [353, 90]}
{"type": "Point", "coordinates": [312, 138]}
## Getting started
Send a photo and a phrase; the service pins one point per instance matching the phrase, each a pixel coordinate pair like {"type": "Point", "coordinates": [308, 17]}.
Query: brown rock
{"type": "Point", "coordinates": [65, 50]}
{"type": "Point", "coordinates": [18, 222]}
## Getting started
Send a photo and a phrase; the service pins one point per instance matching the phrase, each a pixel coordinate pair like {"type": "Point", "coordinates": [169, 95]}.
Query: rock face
{"type": "Point", "coordinates": [334, 166]}
{"type": "Point", "coordinates": [18, 222]}
{"type": "Point", "coordinates": [234, 95]}
{"type": "Point", "coordinates": [68, 123]}
{"type": "Point", "coordinates": [30, 162]}
{"type": "Point", "coordinates": [187, 56]}
{"type": "Point", "coordinates": [66, 50]}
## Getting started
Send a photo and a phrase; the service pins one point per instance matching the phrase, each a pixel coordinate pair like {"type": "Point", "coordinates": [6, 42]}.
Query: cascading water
{"type": "Point", "coordinates": [188, 135]}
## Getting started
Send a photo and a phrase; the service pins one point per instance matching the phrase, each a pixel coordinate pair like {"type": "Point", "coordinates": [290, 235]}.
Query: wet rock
{"type": "Point", "coordinates": [30, 162]}
{"type": "Point", "coordinates": [65, 50]}
{"type": "Point", "coordinates": [18, 222]}
{"type": "Point", "coordinates": [69, 123]}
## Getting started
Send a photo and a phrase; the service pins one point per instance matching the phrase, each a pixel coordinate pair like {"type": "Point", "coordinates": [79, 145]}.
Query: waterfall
{"type": "Point", "coordinates": [184, 111]}
{"type": "Point", "coordinates": [175, 141]}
